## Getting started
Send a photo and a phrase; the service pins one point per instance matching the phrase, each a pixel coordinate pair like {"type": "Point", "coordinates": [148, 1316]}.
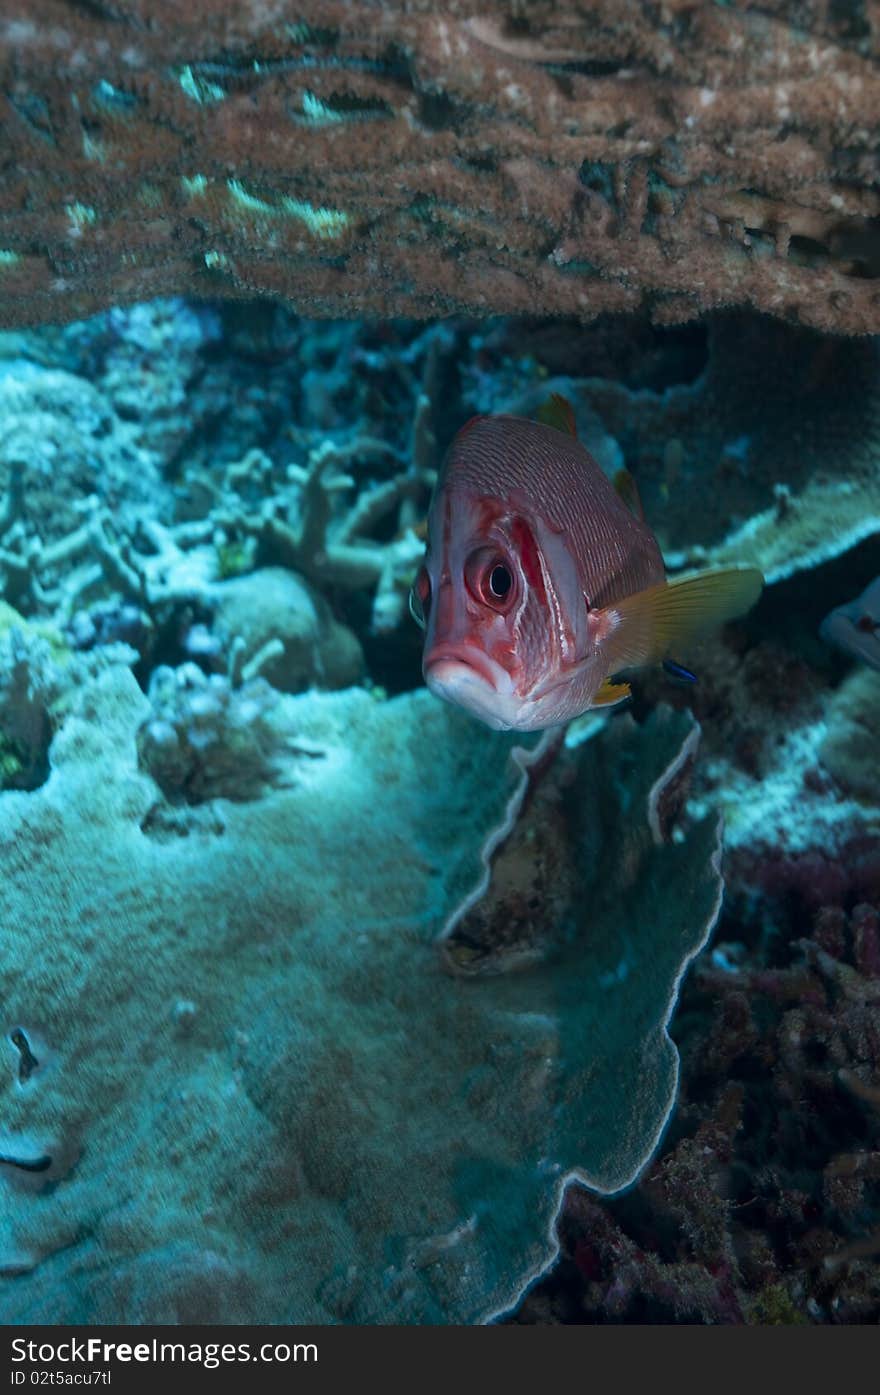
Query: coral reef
{"type": "Point", "coordinates": [364, 990]}
{"type": "Point", "coordinates": [762, 1205]}
{"type": "Point", "coordinates": [206, 739]}
{"type": "Point", "coordinates": [405, 160]}
{"type": "Point", "coordinates": [770, 456]}
{"type": "Point", "coordinates": [297, 1102]}
{"type": "Point", "coordinates": [165, 489]}
{"type": "Point", "coordinates": [851, 750]}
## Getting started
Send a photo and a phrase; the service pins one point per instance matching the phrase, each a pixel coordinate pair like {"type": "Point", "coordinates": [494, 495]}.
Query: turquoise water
{"type": "Point", "coordinates": [323, 1002]}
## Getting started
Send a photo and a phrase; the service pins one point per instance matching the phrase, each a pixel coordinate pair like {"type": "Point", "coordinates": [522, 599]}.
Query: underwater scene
{"type": "Point", "coordinates": [439, 734]}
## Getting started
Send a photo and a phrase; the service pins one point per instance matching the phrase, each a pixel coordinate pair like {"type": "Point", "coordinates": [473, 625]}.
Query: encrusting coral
{"type": "Point", "coordinates": [300, 1114]}
{"type": "Point", "coordinates": [416, 160]}
{"type": "Point", "coordinates": [851, 749]}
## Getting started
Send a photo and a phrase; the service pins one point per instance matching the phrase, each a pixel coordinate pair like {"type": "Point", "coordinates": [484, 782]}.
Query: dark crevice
{"type": "Point", "coordinates": [40, 1164]}
{"type": "Point", "coordinates": [98, 10]}
{"type": "Point", "coordinates": [34, 112]}
{"type": "Point", "coordinates": [28, 1062]}
{"type": "Point", "coordinates": [438, 112]}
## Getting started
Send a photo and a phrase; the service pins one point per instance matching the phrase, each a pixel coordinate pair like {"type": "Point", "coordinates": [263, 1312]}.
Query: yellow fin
{"type": "Point", "coordinates": [557, 411]}
{"type": "Point", "coordinates": [611, 693]}
{"type": "Point", "coordinates": [628, 491]}
{"type": "Point", "coordinates": [648, 626]}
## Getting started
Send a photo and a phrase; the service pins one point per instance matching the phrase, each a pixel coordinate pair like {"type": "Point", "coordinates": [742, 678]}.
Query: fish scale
{"type": "Point", "coordinates": [617, 553]}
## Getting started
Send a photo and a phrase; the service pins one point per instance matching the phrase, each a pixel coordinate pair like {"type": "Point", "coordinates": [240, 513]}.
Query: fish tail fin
{"type": "Point", "coordinates": [644, 628]}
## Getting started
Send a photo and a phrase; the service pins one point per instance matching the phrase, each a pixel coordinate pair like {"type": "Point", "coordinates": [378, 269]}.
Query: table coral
{"type": "Point", "coordinates": [298, 1114]}
{"type": "Point", "coordinates": [410, 160]}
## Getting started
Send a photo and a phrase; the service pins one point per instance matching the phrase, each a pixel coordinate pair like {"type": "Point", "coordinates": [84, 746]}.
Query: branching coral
{"type": "Point", "coordinates": [63, 451]}
{"type": "Point", "coordinates": [416, 161]}
{"type": "Point", "coordinates": [304, 521]}
{"type": "Point", "coordinates": [145, 535]}
{"type": "Point", "coordinates": [330, 547]}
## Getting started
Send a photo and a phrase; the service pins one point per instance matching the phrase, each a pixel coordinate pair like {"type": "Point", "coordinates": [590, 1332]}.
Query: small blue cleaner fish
{"type": "Point", "coordinates": [542, 580]}
{"type": "Point", "coordinates": [679, 671]}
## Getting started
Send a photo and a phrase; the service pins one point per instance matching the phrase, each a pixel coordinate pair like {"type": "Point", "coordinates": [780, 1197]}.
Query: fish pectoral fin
{"type": "Point", "coordinates": [610, 694]}
{"type": "Point", "coordinates": [557, 411]}
{"type": "Point", "coordinates": [646, 627]}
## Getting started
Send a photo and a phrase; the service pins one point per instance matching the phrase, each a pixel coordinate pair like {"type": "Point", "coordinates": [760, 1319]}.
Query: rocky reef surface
{"type": "Point", "coordinates": [321, 1002]}
{"type": "Point", "coordinates": [477, 157]}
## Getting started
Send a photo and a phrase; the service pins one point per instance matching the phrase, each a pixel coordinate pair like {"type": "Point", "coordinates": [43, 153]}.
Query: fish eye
{"type": "Point", "coordinates": [490, 579]}
{"type": "Point", "coordinates": [420, 598]}
{"type": "Point", "coordinates": [500, 581]}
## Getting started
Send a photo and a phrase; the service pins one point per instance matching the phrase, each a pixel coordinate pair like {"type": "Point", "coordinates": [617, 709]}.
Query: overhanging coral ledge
{"type": "Point", "coordinates": [406, 158]}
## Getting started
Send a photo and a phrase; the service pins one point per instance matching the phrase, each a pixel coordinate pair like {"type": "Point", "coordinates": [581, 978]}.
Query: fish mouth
{"type": "Point", "coordinates": [468, 678]}
{"type": "Point", "coordinates": [457, 663]}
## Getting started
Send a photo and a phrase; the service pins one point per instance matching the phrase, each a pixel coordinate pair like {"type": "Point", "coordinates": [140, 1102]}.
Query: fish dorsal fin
{"type": "Point", "coordinates": [471, 422]}
{"type": "Point", "coordinates": [646, 627]}
{"type": "Point", "coordinates": [628, 491]}
{"type": "Point", "coordinates": [557, 411]}
{"type": "Point", "coordinates": [610, 694]}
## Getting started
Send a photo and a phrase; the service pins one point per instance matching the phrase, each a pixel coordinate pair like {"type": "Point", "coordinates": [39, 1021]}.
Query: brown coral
{"type": "Point", "coordinates": [413, 160]}
{"type": "Point", "coordinates": [763, 1205]}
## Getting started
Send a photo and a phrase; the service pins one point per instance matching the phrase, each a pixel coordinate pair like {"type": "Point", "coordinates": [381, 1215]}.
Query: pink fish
{"type": "Point", "coordinates": [542, 580]}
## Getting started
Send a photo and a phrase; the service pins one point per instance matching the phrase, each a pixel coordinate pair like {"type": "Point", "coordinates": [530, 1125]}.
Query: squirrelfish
{"type": "Point", "coordinates": [542, 581]}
